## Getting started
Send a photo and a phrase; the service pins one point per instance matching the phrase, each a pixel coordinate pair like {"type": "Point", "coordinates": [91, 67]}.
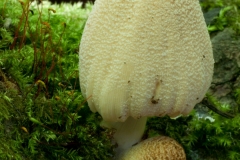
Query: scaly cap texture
{"type": "Point", "coordinates": [145, 58]}
{"type": "Point", "coordinates": [156, 148]}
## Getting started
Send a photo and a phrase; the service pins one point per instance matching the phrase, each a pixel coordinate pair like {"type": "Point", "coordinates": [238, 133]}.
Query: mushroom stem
{"type": "Point", "coordinates": [127, 133]}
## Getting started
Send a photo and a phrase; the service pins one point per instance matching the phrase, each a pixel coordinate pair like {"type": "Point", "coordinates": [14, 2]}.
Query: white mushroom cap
{"type": "Point", "coordinates": [156, 148]}
{"type": "Point", "coordinates": [145, 58]}
{"type": "Point", "coordinates": [141, 58]}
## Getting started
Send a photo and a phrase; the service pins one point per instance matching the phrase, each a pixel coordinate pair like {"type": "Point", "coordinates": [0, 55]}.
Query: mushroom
{"type": "Point", "coordinates": [159, 147]}
{"type": "Point", "coordinates": [143, 58]}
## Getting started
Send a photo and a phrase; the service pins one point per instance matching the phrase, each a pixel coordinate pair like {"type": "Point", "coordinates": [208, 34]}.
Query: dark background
{"type": "Point", "coordinates": [72, 1]}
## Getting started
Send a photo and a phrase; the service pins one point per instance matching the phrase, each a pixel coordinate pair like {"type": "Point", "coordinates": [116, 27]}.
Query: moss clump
{"type": "Point", "coordinates": [204, 134]}
{"type": "Point", "coordinates": [43, 114]}
{"type": "Point", "coordinates": [229, 14]}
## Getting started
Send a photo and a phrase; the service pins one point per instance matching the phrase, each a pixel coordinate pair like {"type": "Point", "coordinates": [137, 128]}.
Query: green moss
{"type": "Point", "coordinates": [229, 15]}
{"type": "Point", "coordinates": [43, 114]}
{"type": "Point", "coordinates": [204, 135]}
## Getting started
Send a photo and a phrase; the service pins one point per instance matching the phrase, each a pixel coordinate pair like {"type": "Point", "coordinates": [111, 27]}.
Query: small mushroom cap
{"type": "Point", "coordinates": [145, 58]}
{"type": "Point", "coordinates": [156, 148]}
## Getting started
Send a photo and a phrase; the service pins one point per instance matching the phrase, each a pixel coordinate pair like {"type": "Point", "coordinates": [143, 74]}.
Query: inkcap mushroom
{"type": "Point", "coordinates": [143, 58]}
